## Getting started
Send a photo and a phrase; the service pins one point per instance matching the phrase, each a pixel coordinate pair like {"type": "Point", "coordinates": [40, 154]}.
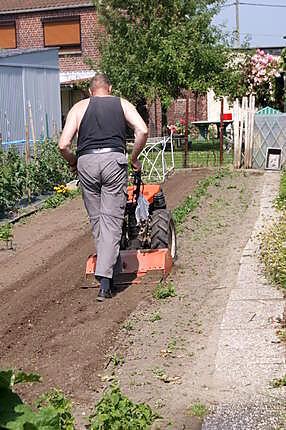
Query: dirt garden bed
{"type": "Point", "coordinates": [48, 324]}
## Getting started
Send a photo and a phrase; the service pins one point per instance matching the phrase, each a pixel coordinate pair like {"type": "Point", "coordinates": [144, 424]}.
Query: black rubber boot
{"type": "Point", "coordinates": [104, 290]}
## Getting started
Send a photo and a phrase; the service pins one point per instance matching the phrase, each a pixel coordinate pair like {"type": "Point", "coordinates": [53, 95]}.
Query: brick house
{"type": "Point", "coordinates": [70, 25]}
{"type": "Point", "coordinates": [73, 27]}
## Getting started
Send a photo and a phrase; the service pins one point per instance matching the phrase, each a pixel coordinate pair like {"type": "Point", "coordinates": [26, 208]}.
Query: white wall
{"type": "Point", "coordinates": [214, 106]}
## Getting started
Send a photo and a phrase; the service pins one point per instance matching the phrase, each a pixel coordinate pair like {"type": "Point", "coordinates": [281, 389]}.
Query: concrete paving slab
{"type": "Point", "coordinates": [249, 346]}
{"type": "Point", "coordinates": [251, 314]}
{"type": "Point", "coordinates": [256, 292]}
{"type": "Point", "coordinates": [246, 381]}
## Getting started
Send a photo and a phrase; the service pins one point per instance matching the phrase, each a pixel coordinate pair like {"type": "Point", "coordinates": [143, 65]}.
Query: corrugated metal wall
{"type": "Point", "coordinates": [21, 86]}
{"type": "Point", "coordinates": [12, 124]}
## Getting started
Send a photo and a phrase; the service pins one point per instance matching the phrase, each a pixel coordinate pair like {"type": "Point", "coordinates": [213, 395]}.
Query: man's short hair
{"type": "Point", "coordinates": [99, 80]}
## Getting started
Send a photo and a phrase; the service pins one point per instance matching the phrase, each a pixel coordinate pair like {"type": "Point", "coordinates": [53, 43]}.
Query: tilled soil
{"type": "Point", "coordinates": [169, 346]}
{"type": "Point", "coordinates": [48, 323]}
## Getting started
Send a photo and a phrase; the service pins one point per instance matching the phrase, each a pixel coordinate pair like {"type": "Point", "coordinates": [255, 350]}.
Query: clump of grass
{"type": "Point", "coordinates": [128, 326]}
{"type": "Point", "coordinates": [273, 251]}
{"type": "Point", "coordinates": [155, 317]}
{"type": "Point", "coordinates": [164, 290]}
{"type": "Point", "coordinates": [281, 334]}
{"type": "Point", "coordinates": [278, 382]}
{"type": "Point", "coordinates": [117, 360]}
{"type": "Point", "coordinates": [280, 202]}
{"type": "Point", "coordinates": [198, 410]}
{"type": "Point", "coordinates": [273, 241]}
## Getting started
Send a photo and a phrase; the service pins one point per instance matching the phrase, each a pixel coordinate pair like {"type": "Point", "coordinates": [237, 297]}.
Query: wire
{"type": "Point", "coordinates": [260, 34]}
{"type": "Point", "coordinates": [263, 5]}
{"type": "Point", "coordinates": [254, 4]}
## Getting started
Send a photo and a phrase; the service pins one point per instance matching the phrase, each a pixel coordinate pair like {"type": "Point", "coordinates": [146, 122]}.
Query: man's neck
{"type": "Point", "coordinates": [100, 93]}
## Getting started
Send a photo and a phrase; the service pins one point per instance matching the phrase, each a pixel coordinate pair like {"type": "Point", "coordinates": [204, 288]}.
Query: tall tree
{"type": "Point", "coordinates": [155, 48]}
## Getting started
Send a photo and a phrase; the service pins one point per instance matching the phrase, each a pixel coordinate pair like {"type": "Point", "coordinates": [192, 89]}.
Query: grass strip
{"type": "Point", "coordinates": [182, 211]}
{"type": "Point", "coordinates": [280, 202]}
{"type": "Point", "coordinates": [273, 242]}
{"type": "Point", "coordinates": [273, 251]}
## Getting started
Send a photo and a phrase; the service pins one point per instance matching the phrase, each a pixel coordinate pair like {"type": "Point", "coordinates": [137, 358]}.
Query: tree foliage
{"type": "Point", "coordinates": [155, 48]}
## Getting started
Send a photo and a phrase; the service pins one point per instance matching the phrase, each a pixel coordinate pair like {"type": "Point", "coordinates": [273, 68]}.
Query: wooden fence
{"type": "Point", "coordinates": [243, 125]}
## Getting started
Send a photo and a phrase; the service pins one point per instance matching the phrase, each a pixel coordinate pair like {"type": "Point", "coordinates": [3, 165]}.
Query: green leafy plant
{"type": "Point", "coordinates": [61, 194]}
{"type": "Point", "coordinates": [164, 290]}
{"type": "Point", "coordinates": [54, 201]}
{"type": "Point", "coordinates": [21, 180]}
{"type": "Point", "coordinates": [61, 404]}
{"type": "Point", "coordinates": [51, 412]}
{"type": "Point", "coordinates": [6, 234]}
{"type": "Point", "coordinates": [116, 412]}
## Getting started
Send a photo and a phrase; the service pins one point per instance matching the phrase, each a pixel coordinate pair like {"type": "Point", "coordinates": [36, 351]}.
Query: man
{"type": "Point", "coordinates": [100, 122]}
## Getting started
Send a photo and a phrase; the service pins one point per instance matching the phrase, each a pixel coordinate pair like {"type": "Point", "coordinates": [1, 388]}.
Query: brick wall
{"type": "Point", "coordinates": [197, 109]}
{"type": "Point", "coordinates": [197, 112]}
{"type": "Point", "coordinates": [155, 119]}
{"type": "Point", "coordinates": [30, 34]}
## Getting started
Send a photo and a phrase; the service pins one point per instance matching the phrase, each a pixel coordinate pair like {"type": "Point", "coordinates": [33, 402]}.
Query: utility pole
{"type": "Point", "coordinates": [237, 30]}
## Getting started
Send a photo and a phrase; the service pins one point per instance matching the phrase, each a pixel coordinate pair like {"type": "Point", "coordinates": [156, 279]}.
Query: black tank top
{"type": "Point", "coordinates": [103, 125]}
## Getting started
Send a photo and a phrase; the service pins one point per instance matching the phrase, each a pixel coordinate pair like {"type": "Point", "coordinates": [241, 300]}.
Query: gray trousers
{"type": "Point", "coordinates": [103, 179]}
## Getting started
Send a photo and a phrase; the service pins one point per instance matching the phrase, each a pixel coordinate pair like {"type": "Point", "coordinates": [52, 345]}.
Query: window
{"type": "Point", "coordinates": [62, 32]}
{"type": "Point", "coordinates": [8, 35]}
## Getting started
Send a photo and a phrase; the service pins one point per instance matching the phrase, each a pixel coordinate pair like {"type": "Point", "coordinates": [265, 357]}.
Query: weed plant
{"type": "Point", "coordinates": [6, 234]}
{"type": "Point", "coordinates": [279, 382]}
{"type": "Point", "coordinates": [198, 410]}
{"type": "Point", "coordinates": [164, 290]}
{"type": "Point", "coordinates": [53, 411]}
{"type": "Point", "coordinates": [115, 411]}
{"type": "Point", "coordinates": [155, 317]}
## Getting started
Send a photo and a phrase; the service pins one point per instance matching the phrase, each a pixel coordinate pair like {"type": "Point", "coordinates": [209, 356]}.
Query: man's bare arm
{"type": "Point", "coordinates": [140, 130]}
{"type": "Point", "coordinates": [67, 136]}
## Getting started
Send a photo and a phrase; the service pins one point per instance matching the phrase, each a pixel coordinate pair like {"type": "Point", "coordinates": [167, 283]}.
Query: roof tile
{"type": "Point", "coordinates": [22, 5]}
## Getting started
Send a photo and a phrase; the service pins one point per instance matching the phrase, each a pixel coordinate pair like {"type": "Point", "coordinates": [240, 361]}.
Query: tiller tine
{"type": "Point", "coordinates": [137, 263]}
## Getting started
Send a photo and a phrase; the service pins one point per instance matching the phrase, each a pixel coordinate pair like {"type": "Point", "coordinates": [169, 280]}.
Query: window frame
{"type": "Point", "coordinates": [62, 19]}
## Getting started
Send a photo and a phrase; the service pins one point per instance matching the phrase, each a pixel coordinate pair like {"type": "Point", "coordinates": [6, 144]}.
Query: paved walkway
{"type": "Point", "coordinates": [249, 354]}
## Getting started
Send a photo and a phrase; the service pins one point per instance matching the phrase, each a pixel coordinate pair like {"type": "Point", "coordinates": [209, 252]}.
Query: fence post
{"type": "Point", "coordinates": [221, 134]}
{"type": "Point", "coordinates": [32, 129]}
{"type": "Point", "coordinates": [186, 146]}
{"type": "Point", "coordinates": [28, 159]}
